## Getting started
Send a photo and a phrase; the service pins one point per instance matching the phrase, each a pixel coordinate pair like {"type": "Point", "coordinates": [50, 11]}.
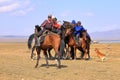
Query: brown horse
{"type": "Point", "coordinates": [33, 48]}
{"type": "Point", "coordinates": [51, 41]}
{"type": "Point", "coordinates": [72, 43]}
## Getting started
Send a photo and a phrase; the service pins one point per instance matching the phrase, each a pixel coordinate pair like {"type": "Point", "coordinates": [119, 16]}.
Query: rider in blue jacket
{"type": "Point", "coordinates": [77, 31]}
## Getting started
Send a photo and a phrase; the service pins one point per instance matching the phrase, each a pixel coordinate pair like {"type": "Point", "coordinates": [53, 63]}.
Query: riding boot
{"type": "Point", "coordinates": [77, 39]}
{"type": "Point", "coordinates": [37, 41]}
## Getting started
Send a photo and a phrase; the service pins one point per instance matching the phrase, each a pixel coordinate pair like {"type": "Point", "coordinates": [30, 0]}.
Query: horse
{"type": "Point", "coordinates": [29, 44]}
{"type": "Point", "coordinates": [72, 43]}
{"type": "Point", "coordinates": [62, 43]}
{"type": "Point", "coordinates": [51, 41]}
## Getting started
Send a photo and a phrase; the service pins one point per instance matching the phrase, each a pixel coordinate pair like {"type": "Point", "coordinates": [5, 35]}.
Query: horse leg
{"type": "Point", "coordinates": [32, 54]}
{"type": "Point", "coordinates": [50, 56]}
{"type": "Point", "coordinates": [58, 57]}
{"type": "Point", "coordinates": [46, 57]}
{"type": "Point", "coordinates": [68, 52]}
{"type": "Point", "coordinates": [82, 53]}
{"type": "Point", "coordinates": [38, 56]}
{"type": "Point", "coordinates": [88, 50]}
{"type": "Point", "coordinates": [74, 52]}
{"type": "Point", "coordinates": [85, 53]}
{"type": "Point", "coordinates": [88, 45]}
{"type": "Point", "coordinates": [84, 48]}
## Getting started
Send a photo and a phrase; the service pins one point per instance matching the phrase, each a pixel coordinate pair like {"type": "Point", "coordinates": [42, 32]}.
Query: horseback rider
{"type": "Point", "coordinates": [56, 26]}
{"type": "Point", "coordinates": [77, 31]}
{"type": "Point", "coordinates": [46, 25]}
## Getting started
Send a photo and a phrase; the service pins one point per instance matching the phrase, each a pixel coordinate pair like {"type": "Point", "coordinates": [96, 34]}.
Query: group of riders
{"type": "Point", "coordinates": [51, 24]}
{"type": "Point", "coordinates": [52, 35]}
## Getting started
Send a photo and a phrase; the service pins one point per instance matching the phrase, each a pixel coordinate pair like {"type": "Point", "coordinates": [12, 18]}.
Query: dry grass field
{"type": "Point", "coordinates": [15, 64]}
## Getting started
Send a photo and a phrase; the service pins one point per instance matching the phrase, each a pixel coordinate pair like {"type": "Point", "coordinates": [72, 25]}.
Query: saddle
{"type": "Point", "coordinates": [44, 34]}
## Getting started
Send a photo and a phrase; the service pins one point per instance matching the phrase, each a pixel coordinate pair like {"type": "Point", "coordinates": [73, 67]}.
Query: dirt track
{"type": "Point", "coordinates": [15, 64]}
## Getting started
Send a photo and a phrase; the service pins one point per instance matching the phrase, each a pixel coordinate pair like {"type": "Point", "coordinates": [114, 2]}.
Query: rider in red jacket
{"type": "Point", "coordinates": [56, 26]}
{"type": "Point", "coordinates": [46, 25]}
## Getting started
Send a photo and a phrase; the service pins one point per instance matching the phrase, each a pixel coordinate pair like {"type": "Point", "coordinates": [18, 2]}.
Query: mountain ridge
{"type": "Point", "coordinates": [97, 35]}
{"type": "Point", "coordinates": [106, 35]}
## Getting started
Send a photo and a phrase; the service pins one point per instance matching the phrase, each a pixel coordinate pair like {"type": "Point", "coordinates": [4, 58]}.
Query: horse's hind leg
{"type": "Point", "coordinates": [72, 52]}
{"type": "Point", "coordinates": [58, 57]}
{"type": "Point", "coordinates": [75, 53]}
{"type": "Point", "coordinates": [38, 56]}
{"type": "Point", "coordinates": [32, 54]}
{"type": "Point", "coordinates": [46, 57]}
{"type": "Point", "coordinates": [82, 53]}
{"type": "Point", "coordinates": [50, 56]}
{"type": "Point", "coordinates": [88, 50]}
{"type": "Point", "coordinates": [68, 55]}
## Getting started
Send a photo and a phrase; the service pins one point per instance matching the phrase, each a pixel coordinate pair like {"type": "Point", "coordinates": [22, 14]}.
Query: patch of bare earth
{"type": "Point", "coordinates": [15, 64]}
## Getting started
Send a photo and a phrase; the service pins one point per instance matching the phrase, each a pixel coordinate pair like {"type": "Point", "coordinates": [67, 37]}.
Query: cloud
{"type": "Point", "coordinates": [4, 1]}
{"type": "Point", "coordinates": [8, 8]}
{"type": "Point", "coordinates": [22, 12]}
{"type": "Point", "coordinates": [65, 13]}
{"type": "Point", "coordinates": [14, 7]}
{"type": "Point", "coordinates": [88, 14]}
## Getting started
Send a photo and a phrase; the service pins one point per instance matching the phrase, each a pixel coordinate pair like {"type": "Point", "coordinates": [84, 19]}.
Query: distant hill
{"type": "Point", "coordinates": [106, 35]}
{"type": "Point", "coordinates": [103, 35]}
{"type": "Point", "coordinates": [13, 38]}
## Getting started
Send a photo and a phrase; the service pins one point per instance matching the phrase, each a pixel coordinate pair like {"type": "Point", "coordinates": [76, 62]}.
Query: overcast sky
{"type": "Point", "coordinates": [18, 17]}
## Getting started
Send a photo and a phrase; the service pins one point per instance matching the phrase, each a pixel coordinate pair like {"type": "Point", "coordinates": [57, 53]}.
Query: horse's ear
{"type": "Point", "coordinates": [36, 26]}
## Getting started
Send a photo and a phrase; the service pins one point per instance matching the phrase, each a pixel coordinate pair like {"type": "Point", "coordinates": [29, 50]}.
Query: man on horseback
{"type": "Point", "coordinates": [46, 25]}
{"type": "Point", "coordinates": [56, 26]}
{"type": "Point", "coordinates": [77, 31]}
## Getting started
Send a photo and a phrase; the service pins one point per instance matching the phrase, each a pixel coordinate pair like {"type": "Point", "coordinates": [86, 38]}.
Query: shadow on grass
{"type": "Point", "coordinates": [53, 65]}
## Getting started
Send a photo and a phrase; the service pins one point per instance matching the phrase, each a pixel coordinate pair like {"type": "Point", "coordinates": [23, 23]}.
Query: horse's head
{"type": "Point", "coordinates": [67, 28]}
{"type": "Point", "coordinates": [68, 31]}
{"type": "Point", "coordinates": [37, 28]}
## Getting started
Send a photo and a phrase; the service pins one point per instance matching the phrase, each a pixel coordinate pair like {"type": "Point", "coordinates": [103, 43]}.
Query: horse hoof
{"type": "Point", "coordinates": [87, 59]}
{"type": "Point", "coordinates": [47, 66]}
{"type": "Point", "coordinates": [31, 59]}
{"type": "Point", "coordinates": [59, 67]}
{"type": "Point", "coordinates": [36, 66]}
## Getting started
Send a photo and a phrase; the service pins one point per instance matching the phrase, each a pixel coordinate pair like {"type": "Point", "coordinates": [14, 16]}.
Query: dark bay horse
{"type": "Point", "coordinates": [84, 45]}
{"type": "Point", "coordinates": [72, 43]}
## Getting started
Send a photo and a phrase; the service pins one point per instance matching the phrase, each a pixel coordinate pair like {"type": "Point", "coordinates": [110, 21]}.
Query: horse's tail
{"type": "Point", "coordinates": [30, 39]}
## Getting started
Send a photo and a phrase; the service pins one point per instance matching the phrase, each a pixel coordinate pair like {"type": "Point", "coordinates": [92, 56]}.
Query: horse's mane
{"type": "Point", "coordinates": [67, 24]}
